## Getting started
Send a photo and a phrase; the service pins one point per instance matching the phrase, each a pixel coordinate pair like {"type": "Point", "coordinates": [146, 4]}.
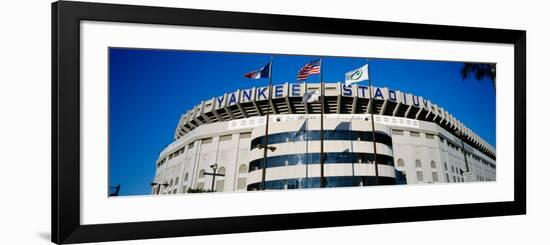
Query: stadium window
{"type": "Point", "coordinates": [441, 139]}
{"type": "Point", "coordinates": [171, 182]}
{"type": "Point", "coordinates": [201, 173]}
{"type": "Point", "coordinates": [418, 163]}
{"type": "Point", "coordinates": [400, 163]}
{"type": "Point", "coordinates": [414, 134]}
{"type": "Point", "coordinates": [226, 137]}
{"type": "Point", "coordinates": [435, 177]}
{"type": "Point", "coordinates": [447, 178]}
{"type": "Point", "coordinates": [245, 135]}
{"type": "Point", "coordinates": [397, 132]}
{"type": "Point", "coordinates": [207, 141]}
{"type": "Point", "coordinates": [221, 171]}
{"type": "Point", "coordinates": [186, 177]}
{"type": "Point", "coordinates": [454, 178]}
{"type": "Point", "coordinates": [429, 136]}
{"type": "Point", "coordinates": [343, 157]}
{"type": "Point", "coordinates": [446, 166]}
{"type": "Point", "coordinates": [243, 169]}
{"type": "Point", "coordinates": [241, 183]}
{"type": "Point", "coordinates": [177, 180]}
{"type": "Point", "coordinates": [419, 176]}
{"type": "Point", "coordinates": [175, 191]}
{"type": "Point", "coordinates": [432, 164]}
{"type": "Point", "coordinates": [329, 135]}
{"type": "Point", "coordinates": [219, 185]}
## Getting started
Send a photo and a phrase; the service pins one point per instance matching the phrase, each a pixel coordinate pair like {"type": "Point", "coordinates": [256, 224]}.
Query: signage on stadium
{"type": "Point", "coordinates": [298, 90]}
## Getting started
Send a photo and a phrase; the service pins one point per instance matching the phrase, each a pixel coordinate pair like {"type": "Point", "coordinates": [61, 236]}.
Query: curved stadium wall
{"type": "Point", "coordinates": [416, 141]}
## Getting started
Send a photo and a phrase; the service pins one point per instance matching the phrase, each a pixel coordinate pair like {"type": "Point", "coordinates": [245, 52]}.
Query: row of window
{"type": "Point", "coordinates": [468, 154]}
{"type": "Point", "coordinates": [453, 146]}
{"type": "Point", "coordinates": [181, 150]}
{"type": "Point", "coordinates": [412, 133]}
{"type": "Point", "coordinates": [242, 169]}
{"type": "Point", "coordinates": [222, 138]}
{"type": "Point", "coordinates": [314, 182]}
{"type": "Point", "coordinates": [449, 144]}
{"type": "Point", "coordinates": [486, 163]}
{"type": "Point", "coordinates": [307, 135]}
{"type": "Point", "coordinates": [420, 176]}
{"type": "Point", "coordinates": [172, 155]}
{"type": "Point", "coordinates": [161, 162]}
{"type": "Point", "coordinates": [417, 163]}
{"type": "Point", "coordinates": [219, 171]}
{"type": "Point", "coordinates": [166, 190]}
{"type": "Point", "coordinates": [419, 170]}
{"type": "Point", "coordinates": [315, 158]}
{"type": "Point", "coordinates": [457, 173]}
{"type": "Point", "coordinates": [174, 191]}
{"type": "Point", "coordinates": [240, 185]}
{"type": "Point", "coordinates": [456, 177]}
{"type": "Point", "coordinates": [460, 172]}
{"type": "Point", "coordinates": [482, 178]}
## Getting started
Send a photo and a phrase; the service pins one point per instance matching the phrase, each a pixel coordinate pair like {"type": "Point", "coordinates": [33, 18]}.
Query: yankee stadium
{"type": "Point", "coordinates": [220, 144]}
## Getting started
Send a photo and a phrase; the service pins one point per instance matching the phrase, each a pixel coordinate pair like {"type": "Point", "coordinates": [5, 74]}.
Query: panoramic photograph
{"type": "Point", "coordinates": [183, 122]}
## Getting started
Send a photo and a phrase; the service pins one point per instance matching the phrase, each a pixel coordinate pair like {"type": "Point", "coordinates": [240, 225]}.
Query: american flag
{"type": "Point", "coordinates": [310, 68]}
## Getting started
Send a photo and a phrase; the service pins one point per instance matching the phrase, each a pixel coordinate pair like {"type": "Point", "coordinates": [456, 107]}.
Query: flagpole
{"type": "Point", "coordinates": [307, 137]}
{"type": "Point", "coordinates": [351, 148]}
{"type": "Point", "coordinates": [322, 158]}
{"type": "Point", "coordinates": [373, 129]}
{"type": "Point", "coordinates": [267, 123]}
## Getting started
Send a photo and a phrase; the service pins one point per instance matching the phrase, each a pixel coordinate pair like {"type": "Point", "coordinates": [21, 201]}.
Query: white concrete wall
{"type": "Point", "coordinates": [202, 148]}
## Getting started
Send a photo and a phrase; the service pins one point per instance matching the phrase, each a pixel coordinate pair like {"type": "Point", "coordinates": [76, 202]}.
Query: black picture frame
{"type": "Point", "coordinates": [66, 18]}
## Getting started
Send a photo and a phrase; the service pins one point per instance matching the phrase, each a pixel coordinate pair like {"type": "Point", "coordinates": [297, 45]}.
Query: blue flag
{"type": "Point", "coordinates": [262, 73]}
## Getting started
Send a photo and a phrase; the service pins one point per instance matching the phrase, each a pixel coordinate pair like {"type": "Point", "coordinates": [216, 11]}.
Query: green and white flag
{"type": "Point", "coordinates": [357, 75]}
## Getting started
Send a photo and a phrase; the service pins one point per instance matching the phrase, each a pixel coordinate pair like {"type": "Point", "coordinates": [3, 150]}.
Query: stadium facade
{"type": "Point", "coordinates": [416, 142]}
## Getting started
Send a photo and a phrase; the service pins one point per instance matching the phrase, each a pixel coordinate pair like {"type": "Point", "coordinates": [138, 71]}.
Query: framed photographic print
{"type": "Point", "coordinates": [176, 122]}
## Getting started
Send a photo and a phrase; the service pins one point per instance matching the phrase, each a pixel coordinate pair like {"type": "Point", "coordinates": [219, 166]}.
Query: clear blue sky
{"type": "Point", "coordinates": [151, 89]}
